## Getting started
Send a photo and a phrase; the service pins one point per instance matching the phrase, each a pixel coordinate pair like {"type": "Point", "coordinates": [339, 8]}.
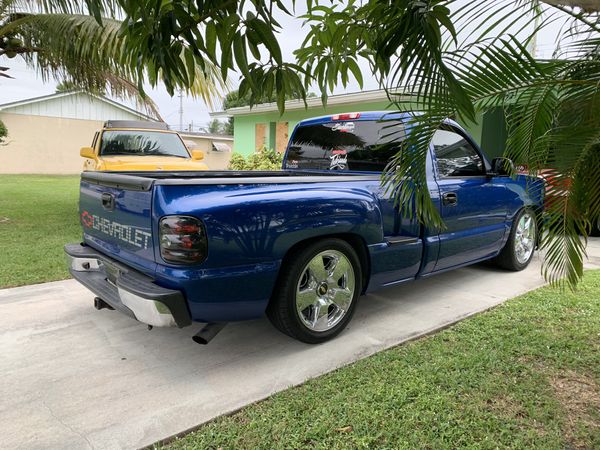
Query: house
{"type": "Point", "coordinates": [46, 133]}
{"type": "Point", "coordinates": [263, 125]}
{"type": "Point", "coordinates": [217, 148]}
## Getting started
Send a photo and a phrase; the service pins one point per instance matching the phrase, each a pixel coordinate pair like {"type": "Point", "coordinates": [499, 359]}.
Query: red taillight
{"type": "Point", "coordinates": [187, 229]}
{"type": "Point", "coordinates": [182, 240]}
{"type": "Point", "coordinates": [345, 116]}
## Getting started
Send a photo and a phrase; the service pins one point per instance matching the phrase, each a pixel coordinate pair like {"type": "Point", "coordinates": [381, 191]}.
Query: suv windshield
{"type": "Point", "coordinates": [142, 143]}
{"type": "Point", "coordinates": [364, 145]}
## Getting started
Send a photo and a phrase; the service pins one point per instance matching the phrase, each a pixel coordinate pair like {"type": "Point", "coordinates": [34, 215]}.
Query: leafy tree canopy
{"type": "Point", "coordinates": [67, 86]}
{"type": "Point", "coordinates": [215, 126]}
{"type": "Point", "coordinates": [233, 99]}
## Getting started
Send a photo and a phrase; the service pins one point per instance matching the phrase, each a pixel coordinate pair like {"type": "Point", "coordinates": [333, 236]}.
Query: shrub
{"type": "Point", "coordinates": [261, 159]}
{"type": "Point", "coordinates": [3, 132]}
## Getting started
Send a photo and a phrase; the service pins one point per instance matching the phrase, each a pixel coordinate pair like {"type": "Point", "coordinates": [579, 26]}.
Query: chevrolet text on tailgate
{"type": "Point", "coordinates": [302, 244]}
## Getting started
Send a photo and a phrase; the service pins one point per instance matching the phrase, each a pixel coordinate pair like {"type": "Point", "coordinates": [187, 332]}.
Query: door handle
{"type": "Point", "coordinates": [450, 199]}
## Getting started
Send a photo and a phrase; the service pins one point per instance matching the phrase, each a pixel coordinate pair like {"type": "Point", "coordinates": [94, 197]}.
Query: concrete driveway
{"type": "Point", "coordinates": [74, 377]}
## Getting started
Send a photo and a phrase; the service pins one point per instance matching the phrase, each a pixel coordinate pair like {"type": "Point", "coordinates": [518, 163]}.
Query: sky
{"type": "Point", "coordinates": [195, 113]}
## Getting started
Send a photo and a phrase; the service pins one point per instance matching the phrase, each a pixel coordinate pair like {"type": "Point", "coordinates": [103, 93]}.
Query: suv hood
{"type": "Point", "coordinates": [150, 163]}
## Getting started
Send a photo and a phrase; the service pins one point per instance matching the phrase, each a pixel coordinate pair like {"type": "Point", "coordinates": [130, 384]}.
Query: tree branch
{"type": "Point", "coordinates": [19, 50]}
{"type": "Point", "coordinates": [586, 5]}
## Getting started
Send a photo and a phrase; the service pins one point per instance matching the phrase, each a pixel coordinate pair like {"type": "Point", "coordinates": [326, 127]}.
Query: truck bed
{"type": "Point", "coordinates": [143, 181]}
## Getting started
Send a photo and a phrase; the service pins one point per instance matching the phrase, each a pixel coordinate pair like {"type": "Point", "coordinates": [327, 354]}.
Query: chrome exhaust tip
{"type": "Point", "coordinates": [208, 332]}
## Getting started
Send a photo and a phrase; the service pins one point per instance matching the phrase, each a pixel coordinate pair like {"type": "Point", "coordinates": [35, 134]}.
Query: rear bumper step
{"type": "Point", "coordinates": [127, 290]}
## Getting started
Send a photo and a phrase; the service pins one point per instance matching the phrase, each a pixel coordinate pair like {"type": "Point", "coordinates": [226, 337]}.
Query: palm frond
{"type": "Point", "coordinates": [551, 108]}
{"type": "Point", "coordinates": [498, 18]}
{"type": "Point", "coordinates": [206, 82]}
{"type": "Point", "coordinates": [96, 56]}
{"type": "Point", "coordinates": [75, 47]}
{"type": "Point", "coordinates": [405, 177]}
{"type": "Point", "coordinates": [106, 8]}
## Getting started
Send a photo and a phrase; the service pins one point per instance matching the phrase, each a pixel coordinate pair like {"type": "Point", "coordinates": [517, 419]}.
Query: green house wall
{"type": "Point", "coordinates": [244, 125]}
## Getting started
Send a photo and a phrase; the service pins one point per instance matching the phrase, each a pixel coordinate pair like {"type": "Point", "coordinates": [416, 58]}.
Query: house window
{"type": "Point", "coordinates": [260, 135]}
{"type": "Point", "coordinates": [281, 136]}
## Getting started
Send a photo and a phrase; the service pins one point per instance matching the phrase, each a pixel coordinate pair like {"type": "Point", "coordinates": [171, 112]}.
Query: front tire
{"type": "Point", "coordinates": [317, 291]}
{"type": "Point", "coordinates": [518, 250]}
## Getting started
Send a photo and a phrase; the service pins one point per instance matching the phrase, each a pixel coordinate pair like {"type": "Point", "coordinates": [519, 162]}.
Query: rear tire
{"type": "Point", "coordinates": [520, 246]}
{"type": "Point", "coordinates": [317, 291]}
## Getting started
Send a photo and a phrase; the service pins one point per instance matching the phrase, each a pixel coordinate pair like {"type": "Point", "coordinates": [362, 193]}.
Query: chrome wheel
{"type": "Point", "coordinates": [525, 238]}
{"type": "Point", "coordinates": [325, 290]}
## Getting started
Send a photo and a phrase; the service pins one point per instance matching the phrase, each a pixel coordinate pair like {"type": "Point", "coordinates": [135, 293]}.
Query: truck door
{"type": "Point", "coordinates": [474, 207]}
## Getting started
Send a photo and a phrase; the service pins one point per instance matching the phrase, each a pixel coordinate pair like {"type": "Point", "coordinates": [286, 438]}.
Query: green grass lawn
{"type": "Point", "coordinates": [38, 215]}
{"type": "Point", "coordinates": [524, 375]}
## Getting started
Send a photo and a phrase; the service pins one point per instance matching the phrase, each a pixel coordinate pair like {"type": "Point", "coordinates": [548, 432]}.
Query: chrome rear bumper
{"type": "Point", "coordinates": [126, 289]}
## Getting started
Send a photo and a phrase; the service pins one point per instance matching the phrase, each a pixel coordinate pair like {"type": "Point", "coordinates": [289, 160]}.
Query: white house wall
{"type": "Point", "coordinates": [40, 144]}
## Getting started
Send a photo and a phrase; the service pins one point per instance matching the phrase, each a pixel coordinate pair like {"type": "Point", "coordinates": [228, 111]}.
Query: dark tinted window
{"type": "Point", "coordinates": [455, 156]}
{"type": "Point", "coordinates": [364, 145]}
{"type": "Point", "coordinates": [142, 143]}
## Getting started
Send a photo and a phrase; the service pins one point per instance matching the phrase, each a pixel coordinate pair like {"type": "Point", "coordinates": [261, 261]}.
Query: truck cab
{"type": "Point", "coordinates": [124, 145]}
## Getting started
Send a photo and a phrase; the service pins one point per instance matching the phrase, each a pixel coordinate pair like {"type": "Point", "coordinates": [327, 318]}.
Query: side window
{"type": "Point", "coordinates": [95, 140]}
{"type": "Point", "coordinates": [455, 156]}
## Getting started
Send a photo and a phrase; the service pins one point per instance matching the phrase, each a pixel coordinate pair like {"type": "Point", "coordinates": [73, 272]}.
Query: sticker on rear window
{"type": "Point", "coordinates": [344, 127]}
{"type": "Point", "coordinates": [338, 160]}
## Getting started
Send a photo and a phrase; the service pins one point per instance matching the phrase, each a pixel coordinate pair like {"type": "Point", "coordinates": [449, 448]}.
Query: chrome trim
{"type": "Point", "coordinates": [84, 264]}
{"type": "Point", "coordinates": [148, 311]}
{"type": "Point", "coordinates": [401, 240]}
{"type": "Point", "coordinates": [525, 238]}
{"type": "Point", "coordinates": [325, 290]}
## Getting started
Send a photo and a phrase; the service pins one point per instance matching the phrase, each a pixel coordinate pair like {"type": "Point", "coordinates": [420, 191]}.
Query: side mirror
{"type": "Point", "coordinates": [197, 155]}
{"type": "Point", "coordinates": [87, 152]}
{"type": "Point", "coordinates": [502, 167]}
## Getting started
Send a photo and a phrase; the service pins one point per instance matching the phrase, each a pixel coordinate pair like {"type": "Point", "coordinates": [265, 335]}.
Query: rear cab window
{"type": "Point", "coordinates": [352, 145]}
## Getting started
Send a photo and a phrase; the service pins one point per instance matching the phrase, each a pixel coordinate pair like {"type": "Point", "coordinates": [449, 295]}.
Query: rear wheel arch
{"type": "Point", "coordinates": [356, 241]}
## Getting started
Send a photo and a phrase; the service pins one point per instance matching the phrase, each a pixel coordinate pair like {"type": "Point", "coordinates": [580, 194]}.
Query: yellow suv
{"type": "Point", "coordinates": [127, 145]}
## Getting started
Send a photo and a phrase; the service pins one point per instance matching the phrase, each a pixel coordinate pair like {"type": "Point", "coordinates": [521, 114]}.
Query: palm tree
{"type": "Point", "coordinates": [59, 39]}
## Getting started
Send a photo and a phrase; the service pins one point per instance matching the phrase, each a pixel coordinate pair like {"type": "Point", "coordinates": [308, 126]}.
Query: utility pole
{"type": "Point", "coordinates": [180, 109]}
{"type": "Point", "coordinates": [532, 47]}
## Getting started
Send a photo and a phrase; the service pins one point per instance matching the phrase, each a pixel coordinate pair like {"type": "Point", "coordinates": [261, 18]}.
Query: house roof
{"type": "Point", "coordinates": [291, 105]}
{"type": "Point", "coordinates": [45, 98]}
{"type": "Point", "coordinates": [196, 134]}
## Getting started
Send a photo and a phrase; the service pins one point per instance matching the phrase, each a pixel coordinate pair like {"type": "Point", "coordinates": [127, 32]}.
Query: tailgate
{"type": "Point", "coordinates": [116, 217]}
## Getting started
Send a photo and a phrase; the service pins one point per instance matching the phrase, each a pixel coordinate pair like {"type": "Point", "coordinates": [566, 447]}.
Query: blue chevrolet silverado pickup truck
{"type": "Point", "coordinates": [301, 244]}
